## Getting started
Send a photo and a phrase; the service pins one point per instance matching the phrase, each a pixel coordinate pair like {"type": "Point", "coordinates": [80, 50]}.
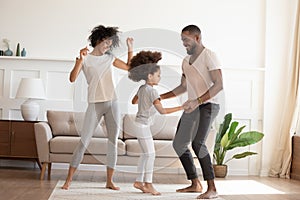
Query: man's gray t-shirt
{"type": "Point", "coordinates": [146, 96]}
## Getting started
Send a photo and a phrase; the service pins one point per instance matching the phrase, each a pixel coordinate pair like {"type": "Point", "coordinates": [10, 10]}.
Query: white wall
{"type": "Point", "coordinates": [244, 33]}
{"type": "Point", "coordinates": [58, 29]}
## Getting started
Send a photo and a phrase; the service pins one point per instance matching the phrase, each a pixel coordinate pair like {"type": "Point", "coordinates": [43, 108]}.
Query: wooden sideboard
{"type": "Point", "coordinates": [17, 140]}
{"type": "Point", "coordinates": [295, 168]}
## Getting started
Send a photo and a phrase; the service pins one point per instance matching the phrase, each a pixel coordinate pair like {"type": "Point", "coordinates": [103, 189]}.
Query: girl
{"type": "Point", "coordinates": [144, 66]}
{"type": "Point", "coordinates": [96, 67]}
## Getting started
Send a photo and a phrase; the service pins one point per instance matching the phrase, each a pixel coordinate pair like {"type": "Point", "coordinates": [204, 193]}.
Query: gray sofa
{"type": "Point", "coordinates": [57, 138]}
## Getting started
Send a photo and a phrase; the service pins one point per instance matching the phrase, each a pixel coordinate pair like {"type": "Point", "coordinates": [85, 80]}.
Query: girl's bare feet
{"type": "Point", "coordinates": [109, 182]}
{"type": "Point", "coordinates": [139, 186]}
{"type": "Point", "coordinates": [148, 188]}
{"type": "Point", "coordinates": [111, 186]}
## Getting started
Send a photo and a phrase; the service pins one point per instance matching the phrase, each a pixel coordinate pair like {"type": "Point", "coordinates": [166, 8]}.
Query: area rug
{"type": "Point", "coordinates": [94, 190]}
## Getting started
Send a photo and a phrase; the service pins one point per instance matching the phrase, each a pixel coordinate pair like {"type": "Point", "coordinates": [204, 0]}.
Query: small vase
{"type": "Point", "coordinates": [18, 50]}
{"type": "Point", "coordinates": [8, 52]}
{"type": "Point", "coordinates": [23, 52]}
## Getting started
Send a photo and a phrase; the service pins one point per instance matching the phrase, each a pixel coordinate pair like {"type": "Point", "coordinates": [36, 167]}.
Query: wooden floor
{"type": "Point", "coordinates": [23, 183]}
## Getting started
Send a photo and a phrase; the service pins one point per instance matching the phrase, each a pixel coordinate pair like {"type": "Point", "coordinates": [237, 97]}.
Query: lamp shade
{"type": "Point", "coordinates": [31, 88]}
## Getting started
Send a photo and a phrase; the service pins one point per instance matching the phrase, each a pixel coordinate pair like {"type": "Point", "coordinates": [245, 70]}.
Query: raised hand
{"type": "Point", "coordinates": [129, 42]}
{"type": "Point", "coordinates": [83, 52]}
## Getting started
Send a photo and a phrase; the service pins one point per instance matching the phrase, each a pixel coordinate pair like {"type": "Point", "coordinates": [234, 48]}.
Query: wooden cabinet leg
{"type": "Point", "coordinates": [44, 166]}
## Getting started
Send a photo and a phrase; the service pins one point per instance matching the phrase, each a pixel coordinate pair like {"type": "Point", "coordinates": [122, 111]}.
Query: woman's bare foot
{"type": "Point", "coordinates": [69, 178]}
{"type": "Point", "coordinates": [209, 194]}
{"type": "Point", "coordinates": [139, 186]}
{"type": "Point", "coordinates": [66, 185]}
{"type": "Point", "coordinates": [111, 186]}
{"type": "Point", "coordinates": [148, 188]}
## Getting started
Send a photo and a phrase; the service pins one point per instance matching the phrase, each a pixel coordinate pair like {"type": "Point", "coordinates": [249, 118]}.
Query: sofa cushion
{"type": "Point", "coordinates": [163, 127]}
{"type": "Point", "coordinates": [70, 123]}
{"type": "Point", "coordinates": [67, 144]}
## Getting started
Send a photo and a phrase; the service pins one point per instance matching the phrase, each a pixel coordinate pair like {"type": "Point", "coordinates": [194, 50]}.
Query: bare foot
{"type": "Point", "coordinates": [139, 186]}
{"type": "Point", "coordinates": [66, 185]}
{"type": "Point", "coordinates": [191, 188]}
{"type": "Point", "coordinates": [210, 194]}
{"type": "Point", "coordinates": [111, 186]}
{"type": "Point", "coordinates": [148, 188]}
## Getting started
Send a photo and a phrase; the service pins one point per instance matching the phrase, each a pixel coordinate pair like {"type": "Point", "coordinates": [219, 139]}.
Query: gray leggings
{"type": "Point", "coordinates": [94, 112]}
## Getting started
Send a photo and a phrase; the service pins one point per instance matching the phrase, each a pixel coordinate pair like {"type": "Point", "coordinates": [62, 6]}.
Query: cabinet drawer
{"type": "Point", "coordinates": [4, 138]}
{"type": "Point", "coordinates": [23, 140]}
{"type": "Point", "coordinates": [4, 132]}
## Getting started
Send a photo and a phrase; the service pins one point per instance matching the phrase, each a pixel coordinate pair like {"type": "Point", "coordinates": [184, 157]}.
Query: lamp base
{"type": "Point", "coordinates": [30, 110]}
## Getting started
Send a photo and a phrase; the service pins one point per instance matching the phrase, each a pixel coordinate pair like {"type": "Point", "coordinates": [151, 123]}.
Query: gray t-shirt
{"type": "Point", "coordinates": [146, 96]}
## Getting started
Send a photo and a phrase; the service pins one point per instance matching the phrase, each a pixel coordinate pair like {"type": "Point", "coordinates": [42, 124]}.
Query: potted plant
{"type": "Point", "coordinates": [229, 137]}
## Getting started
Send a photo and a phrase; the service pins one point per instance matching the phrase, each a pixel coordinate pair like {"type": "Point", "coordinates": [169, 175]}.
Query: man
{"type": "Point", "coordinates": [202, 79]}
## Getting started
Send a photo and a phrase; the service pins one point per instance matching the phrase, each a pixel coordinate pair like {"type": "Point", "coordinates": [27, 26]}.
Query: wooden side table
{"type": "Point", "coordinates": [295, 166]}
{"type": "Point", "coordinates": [17, 140]}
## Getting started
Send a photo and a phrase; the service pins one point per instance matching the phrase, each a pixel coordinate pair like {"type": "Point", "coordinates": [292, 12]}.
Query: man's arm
{"type": "Point", "coordinates": [176, 91]}
{"type": "Point", "coordinates": [217, 79]}
{"type": "Point", "coordinates": [216, 76]}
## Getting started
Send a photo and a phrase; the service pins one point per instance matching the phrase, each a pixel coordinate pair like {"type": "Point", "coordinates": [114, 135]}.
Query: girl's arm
{"type": "Point", "coordinates": [176, 91]}
{"type": "Point", "coordinates": [134, 100]}
{"type": "Point", "coordinates": [119, 63]}
{"type": "Point", "coordinates": [78, 64]}
{"type": "Point", "coordinates": [163, 110]}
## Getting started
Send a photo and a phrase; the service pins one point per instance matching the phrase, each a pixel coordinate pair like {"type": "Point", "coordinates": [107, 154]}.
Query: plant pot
{"type": "Point", "coordinates": [220, 171]}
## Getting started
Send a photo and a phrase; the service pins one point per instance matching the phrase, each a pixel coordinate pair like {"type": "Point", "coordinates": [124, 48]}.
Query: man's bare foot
{"type": "Point", "coordinates": [148, 188]}
{"type": "Point", "coordinates": [111, 186]}
{"type": "Point", "coordinates": [191, 188]}
{"type": "Point", "coordinates": [66, 185]}
{"type": "Point", "coordinates": [139, 186]}
{"type": "Point", "coordinates": [210, 194]}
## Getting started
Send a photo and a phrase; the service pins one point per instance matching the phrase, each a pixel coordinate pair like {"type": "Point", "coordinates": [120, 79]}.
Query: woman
{"type": "Point", "coordinates": [97, 69]}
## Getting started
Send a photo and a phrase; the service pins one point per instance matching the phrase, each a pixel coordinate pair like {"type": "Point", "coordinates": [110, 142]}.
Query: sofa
{"type": "Point", "coordinates": [57, 138]}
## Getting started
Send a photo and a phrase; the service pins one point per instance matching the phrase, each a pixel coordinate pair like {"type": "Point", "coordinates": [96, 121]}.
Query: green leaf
{"type": "Point", "coordinates": [232, 129]}
{"type": "Point", "coordinates": [236, 134]}
{"type": "Point", "coordinates": [240, 155]}
{"type": "Point", "coordinates": [243, 155]}
{"type": "Point", "coordinates": [246, 139]}
{"type": "Point", "coordinates": [223, 127]}
{"type": "Point", "coordinates": [224, 141]}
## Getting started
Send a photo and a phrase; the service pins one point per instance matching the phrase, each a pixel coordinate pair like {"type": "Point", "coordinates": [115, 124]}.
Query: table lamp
{"type": "Point", "coordinates": [31, 89]}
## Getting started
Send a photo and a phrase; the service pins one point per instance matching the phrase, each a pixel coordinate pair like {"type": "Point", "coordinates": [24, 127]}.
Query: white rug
{"type": "Point", "coordinates": [95, 190]}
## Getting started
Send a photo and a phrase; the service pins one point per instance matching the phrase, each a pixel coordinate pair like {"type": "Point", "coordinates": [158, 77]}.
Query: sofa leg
{"type": "Point", "coordinates": [49, 170]}
{"type": "Point", "coordinates": [44, 166]}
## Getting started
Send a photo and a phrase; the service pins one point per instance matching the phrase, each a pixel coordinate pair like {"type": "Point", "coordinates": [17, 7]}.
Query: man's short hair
{"type": "Point", "coordinates": [192, 29]}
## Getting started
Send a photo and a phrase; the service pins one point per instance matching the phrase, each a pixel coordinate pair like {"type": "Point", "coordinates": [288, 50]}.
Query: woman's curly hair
{"type": "Point", "coordinates": [143, 64]}
{"type": "Point", "coordinates": [100, 33]}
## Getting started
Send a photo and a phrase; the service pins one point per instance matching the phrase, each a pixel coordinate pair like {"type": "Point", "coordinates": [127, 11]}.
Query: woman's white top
{"type": "Point", "coordinates": [98, 73]}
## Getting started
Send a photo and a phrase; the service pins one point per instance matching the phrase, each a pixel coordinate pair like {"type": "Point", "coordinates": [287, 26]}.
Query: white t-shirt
{"type": "Point", "coordinates": [197, 75]}
{"type": "Point", "coordinates": [146, 96]}
{"type": "Point", "coordinates": [98, 73]}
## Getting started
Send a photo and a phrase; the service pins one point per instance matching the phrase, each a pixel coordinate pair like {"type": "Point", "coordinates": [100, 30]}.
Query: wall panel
{"type": "Point", "coordinates": [243, 95]}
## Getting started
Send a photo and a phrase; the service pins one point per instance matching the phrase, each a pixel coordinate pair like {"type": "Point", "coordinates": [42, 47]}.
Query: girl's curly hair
{"type": "Point", "coordinates": [100, 33]}
{"type": "Point", "coordinates": [143, 64]}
